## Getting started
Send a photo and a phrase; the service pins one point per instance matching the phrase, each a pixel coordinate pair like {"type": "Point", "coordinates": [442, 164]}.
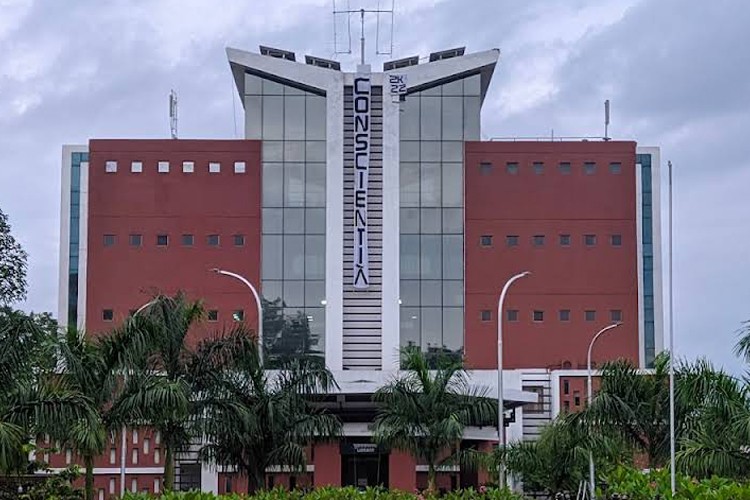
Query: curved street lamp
{"type": "Point", "coordinates": [590, 398]}
{"type": "Point", "coordinates": [258, 302]}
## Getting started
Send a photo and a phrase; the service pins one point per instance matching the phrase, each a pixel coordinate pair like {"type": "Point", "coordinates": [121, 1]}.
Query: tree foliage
{"type": "Point", "coordinates": [12, 265]}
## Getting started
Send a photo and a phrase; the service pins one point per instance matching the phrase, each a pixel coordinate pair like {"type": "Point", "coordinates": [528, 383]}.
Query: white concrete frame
{"type": "Point", "coordinates": [64, 250]}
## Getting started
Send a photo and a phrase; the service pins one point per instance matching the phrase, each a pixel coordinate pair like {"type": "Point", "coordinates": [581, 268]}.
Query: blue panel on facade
{"type": "Point", "coordinates": [75, 221]}
{"type": "Point", "coordinates": [648, 260]}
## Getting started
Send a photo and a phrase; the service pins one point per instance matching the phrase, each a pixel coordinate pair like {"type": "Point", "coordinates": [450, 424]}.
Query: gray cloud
{"type": "Point", "coordinates": [676, 71]}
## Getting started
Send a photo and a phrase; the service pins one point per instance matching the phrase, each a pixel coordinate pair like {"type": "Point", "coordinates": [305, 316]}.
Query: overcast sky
{"type": "Point", "coordinates": [676, 72]}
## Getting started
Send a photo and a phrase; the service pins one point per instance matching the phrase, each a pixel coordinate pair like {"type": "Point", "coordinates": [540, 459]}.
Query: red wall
{"type": "Point", "coordinates": [402, 471]}
{"type": "Point", "coordinates": [577, 278]}
{"type": "Point", "coordinates": [123, 278]}
{"type": "Point", "coordinates": [327, 461]}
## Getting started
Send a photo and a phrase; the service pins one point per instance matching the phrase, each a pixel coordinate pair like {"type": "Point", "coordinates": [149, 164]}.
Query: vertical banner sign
{"type": "Point", "coordinates": [362, 104]}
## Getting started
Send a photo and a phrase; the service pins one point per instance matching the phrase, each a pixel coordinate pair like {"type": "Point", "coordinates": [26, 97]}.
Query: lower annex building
{"type": "Point", "coordinates": [370, 215]}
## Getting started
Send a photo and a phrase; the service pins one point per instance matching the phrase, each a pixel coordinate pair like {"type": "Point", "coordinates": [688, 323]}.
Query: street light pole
{"type": "Point", "coordinates": [257, 302]}
{"type": "Point", "coordinates": [500, 406]}
{"type": "Point", "coordinates": [590, 398]}
{"type": "Point", "coordinates": [672, 478]}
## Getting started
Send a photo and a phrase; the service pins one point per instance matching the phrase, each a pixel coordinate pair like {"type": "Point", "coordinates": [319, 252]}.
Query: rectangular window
{"type": "Point", "coordinates": [511, 168]}
{"type": "Point", "coordinates": [136, 240]}
{"type": "Point", "coordinates": [511, 240]}
{"type": "Point", "coordinates": [146, 445]}
{"type": "Point", "coordinates": [485, 168]}
{"type": "Point", "coordinates": [157, 437]}
{"type": "Point", "coordinates": [566, 406]}
{"type": "Point", "coordinates": [112, 485]}
{"type": "Point", "coordinates": [162, 240]}
{"type": "Point", "coordinates": [538, 167]}
{"type": "Point", "coordinates": [616, 240]}
{"type": "Point", "coordinates": [589, 240]}
{"type": "Point", "coordinates": [108, 315]}
{"type": "Point", "coordinates": [564, 240]}
{"type": "Point", "coordinates": [538, 240]}
{"type": "Point", "coordinates": [564, 314]}
{"type": "Point", "coordinates": [136, 167]}
{"type": "Point", "coordinates": [238, 315]}
{"type": "Point", "coordinates": [486, 315]}
{"type": "Point", "coordinates": [188, 167]}
{"type": "Point", "coordinates": [134, 485]}
{"type": "Point", "coordinates": [615, 315]}
{"type": "Point", "coordinates": [187, 240]}
{"type": "Point", "coordinates": [110, 166]}
{"type": "Point", "coordinates": [134, 456]}
{"type": "Point", "coordinates": [100, 494]}
{"type": "Point", "coordinates": [112, 456]}
{"type": "Point", "coordinates": [512, 314]}
{"type": "Point", "coordinates": [615, 168]}
{"type": "Point", "coordinates": [213, 240]}
{"type": "Point", "coordinates": [163, 167]}
{"type": "Point", "coordinates": [214, 167]}
{"type": "Point", "coordinates": [239, 240]}
{"type": "Point", "coordinates": [577, 398]}
{"type": "Point", "coordinates": [589, 315]}
{"type": "Point", "coordinates": [109, 240]}
{"type": "Point", "coordinates": [538, 316]}
{"type": "Point", "coordinates": [566, 387]}
{"type": "Point", "coordinates": [485, 240]}
{"type": "Point", "coordinates": [68, 456]}
{"type": "Point", "coordinates": [157, 485]}
{"type": "Point", "coordinates": [213, 315]}
{"type": "Point", "coordinates": [564, 168]}
{"type": "Point", "coordinates": [157, 455]}
{"type": "Point", "coordinates": [239, 167]}
{"type": "Point", "coordinates": [589, 168]}
{"type": "Point", "coordinates": [135, 436]}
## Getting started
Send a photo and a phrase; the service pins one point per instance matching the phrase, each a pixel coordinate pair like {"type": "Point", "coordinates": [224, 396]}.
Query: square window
{"type": "Point", "coordinates": [511, 240]}
{"type": "Point", "coordinates": [512, 314]}
{"type": "Point", "coordinates": [213, 240]}
{"type": "Point", "coordinates": [214, 167]}
{"type": "Point", "coordinates": [110, 166]}
{"type": "Point", "coordinates": [538, 167]}
{"type": "Point", "coordinates": [485, 240]}
{"type": "Point", "coordinates": [213, 315]}
{"type": "Point", "coordinates": [239, 240]}
{"type": "Point", "coordinates": [486, 315]}
{"type": "Point", "coordinates": [538, 240]}
{"type": "Point", "coordinates": [589, 315]}
{"type": "Point", "coordinates": [511, 168]}
{"type": "Point", "coordinates": [615, 168]}
{"type": "Point", "coordinates": [109, 240]}
{"type": "Point", "coordinates": [565, 240]}
{"type": "Point", "coordinates": [538, 316]}
{"type": "Point", "coordinates": [485, 168]}
{"type": "Point", "coordinates": [589, 240]}
{"type": "Point", "coordinates": [238, 315]}
{"type": "Point", "coordinates": [564, 168]}
{"type": "Point", "coordinates": [589, 168]}
{"type": "Point", "coordinates": [163, 167]}
{"type": "Point", "coordinates": [616, 240]}
{"type": "Point", "coordinates": [564, 314]}
{"type": "Point", "coordinates": [188, 167]}
{"type": "Point", "coordinates": [136, 167]}
{"type": "Point", "coordinates": [239, 167]}
{"type": "Point", "coordinates": [187, 240]}
{"type": "Point", "coordinates": [615, 315]}
{"type": "Point", "coordinates": [162, 240]}
{"type": "Point", "coordinates": [108, 315]}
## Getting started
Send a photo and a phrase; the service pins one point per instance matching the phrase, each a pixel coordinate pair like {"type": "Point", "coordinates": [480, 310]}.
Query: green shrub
{"type": "Point", "coordinates": [636, 485]}
{"type": "Point", "coordinates": [331, 493]}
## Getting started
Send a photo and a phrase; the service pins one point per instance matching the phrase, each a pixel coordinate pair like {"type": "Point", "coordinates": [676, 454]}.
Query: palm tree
{"type": "Point", "coordinates": [158, 391]}
{"type": "Point", "coordinates": [34, 399]}
{"type": "Point", "coordinates": [425, 413]}
{"type": "Point", "coordinates": [90, 368]}
{"type": "Point", "coordinates": [255, 418]}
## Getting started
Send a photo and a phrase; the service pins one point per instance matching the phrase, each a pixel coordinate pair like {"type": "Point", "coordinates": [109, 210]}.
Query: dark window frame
{"type": "Point", "coordinates": [485, 241]}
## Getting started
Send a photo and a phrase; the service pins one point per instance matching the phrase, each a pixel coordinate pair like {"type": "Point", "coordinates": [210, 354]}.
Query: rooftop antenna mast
{"type": "Point", "coordinates": [606, 120]}
{"type": "Point", "coordinates": [349, 11]}
{"type": "Point", "coordinates": [173, 113]}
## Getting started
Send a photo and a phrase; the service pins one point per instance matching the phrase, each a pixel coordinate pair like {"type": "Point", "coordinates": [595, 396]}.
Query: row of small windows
{"type": "Point", "coordinates": [162, 240]}
{"type": "Point", "coordinates": [538, 168]}
{"type": "Point", "coordinates": [212, 315]}
{"type": "Point", "coordinates": [538, 240]}
{"type": "Point", "coordinates": [163, 167]}
{"type": "Point", "coordinates": [537, 315]}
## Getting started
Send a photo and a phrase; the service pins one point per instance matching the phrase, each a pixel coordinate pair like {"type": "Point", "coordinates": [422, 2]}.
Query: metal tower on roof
{"type": "Point", "coordinates": [348, 11]}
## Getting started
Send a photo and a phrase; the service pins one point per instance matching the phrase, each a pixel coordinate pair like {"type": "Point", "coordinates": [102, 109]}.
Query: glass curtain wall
{"type": "Point", "coordinates": [647, 239]}
{"type": "Point", "coordinates": [434, 125]}
{"type": "Point", "coordinates": [291, 122]}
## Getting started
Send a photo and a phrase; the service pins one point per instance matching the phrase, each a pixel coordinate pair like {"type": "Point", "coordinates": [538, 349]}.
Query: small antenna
{"type": "Point", "coordinates": [349, 11]}
{"type": "Point", "coordinates": [173, 113]}
{"type": "Point", "coordinates": [606, 120]}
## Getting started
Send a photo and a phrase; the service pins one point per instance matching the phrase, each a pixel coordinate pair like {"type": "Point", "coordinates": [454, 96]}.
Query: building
{"type": "Point", "coordinates": [372, 216]}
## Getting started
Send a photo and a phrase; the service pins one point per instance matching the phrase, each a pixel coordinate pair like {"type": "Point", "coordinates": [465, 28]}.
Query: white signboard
{"type": "Point", "coordinates": [362, 105]}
